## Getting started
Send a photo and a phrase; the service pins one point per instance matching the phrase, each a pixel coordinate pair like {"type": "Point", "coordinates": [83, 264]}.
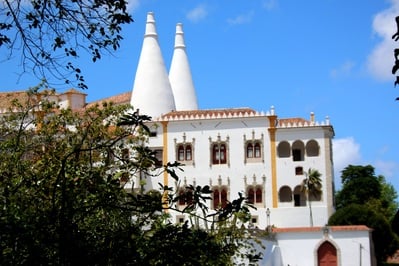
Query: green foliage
{"type": "Point", "coordinates": [63, 201]}
{"type": "Point", "coordinates": [359, 185]}
{"type": "Point", "coordinates": [385, 241]}
{"type": "Point", "coordinates": [395, 223]}
{"type": "Point", "coordinates": [368, 199]}
{"type": "Point", "coordinates": [313, 188]}
{"type": "Point", "coordinates": [66, 28]}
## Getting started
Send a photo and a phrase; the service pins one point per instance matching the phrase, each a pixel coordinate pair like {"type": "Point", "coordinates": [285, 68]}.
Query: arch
{"type": "Point", "coordinates": [188, 156]}
{"type": "Point", "coordinates": [251, 195]}
{"type": "Point", "coordinates": [298, 150]}
{"type": "Point", "coordinates": [219, 197]}
{"type": "Point", "coordinates": [312, 148]}
{"type": "Point", "coordinates": [283, 149]}
{"type": "Point", "coordinates": [285, 194]}
{"type": "Point", "coordinates": [250, 150]}
{"type": "Point", "coordinates": [180, 153]}
{"type": "Point", "coordinates": [315, 196]}
{"type": "Point", "coordinates": [299, 197]}
{"type": "Point", "coordinates": [327, 254]}
{"type": "Point", "coordinates": [219, 153]}
{"type": "Point", "coordinates": [257, 150]}
{"type": "Point", "coordinates": [216, 199]}
{"type": "Point", "coordinates": [258, 195]}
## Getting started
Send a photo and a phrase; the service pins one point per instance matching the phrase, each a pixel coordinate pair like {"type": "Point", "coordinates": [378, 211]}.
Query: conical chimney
{"type": "Point", "coordinates": [152, 93]}
{"type": "Point", "coordinates": [180, 75]}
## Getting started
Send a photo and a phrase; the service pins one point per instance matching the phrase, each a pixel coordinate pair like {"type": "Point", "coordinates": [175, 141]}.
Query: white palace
{"type": "Point", "coordinates": [241, 150]}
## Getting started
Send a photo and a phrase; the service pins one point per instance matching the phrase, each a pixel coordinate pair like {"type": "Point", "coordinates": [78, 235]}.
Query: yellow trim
{"type": "Point", "coordinates": [165, 158]}
{"type": "Point", "coordinates": [272, 133]}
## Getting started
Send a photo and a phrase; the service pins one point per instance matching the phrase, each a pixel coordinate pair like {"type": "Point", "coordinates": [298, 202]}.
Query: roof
{"type": "Point", "coordinates": [210, 112]}
{"type": "Point", "coordinates": [336, 228]}
{"type": "Point", "coordinates": [123, 98]}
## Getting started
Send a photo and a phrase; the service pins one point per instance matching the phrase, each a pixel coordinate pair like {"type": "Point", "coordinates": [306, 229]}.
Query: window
{"type": "Point", "coordinates": [312, 148]}
{"type": "Point", "coordinates": [184, 152]}
{"type": "Point", "coordinates": [219, 153]}
{"type": "Point", "coordinates": [285, 194]}
{"type": "Point", "coordinates": [180, 153]}
{"type": "Point", "coordinates": [283, 149]}
{"type": "Point", "coordinates": [299, 197]}
{"type": "Point", "coordinates": [296, 155]}
{"type": "Point", "coordinates": [180, 219]}
{"type": "Point", "coordinates": [159, 157]}
{"type": "Point", "coordinates": [219, 198]}
{"type": "Point", "coordinates": [253, 150]}
{"type": "Point", "coordinates": [257, 150]}
{"type": "Point", "coordinates": [188, 153]}
{"type": "Point", "coordinates": [299, 170]}
{"type": "Point", "coordinates": [185, 197]}
{"type": "Point", "coordinates": [250, 150]}
{"type": "Point", "coordinates": [254, 195]}
{"type": "Point", "coordinates": [298, 150]}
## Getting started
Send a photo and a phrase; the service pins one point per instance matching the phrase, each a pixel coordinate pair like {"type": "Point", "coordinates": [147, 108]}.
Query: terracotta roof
{"type": "Point", "coordinates": [6, 98]}
{"type": "Point", "coordinates": [319, 229]}
{"type": "Point", "coordinates": [211, 112]}
{"type": "Point", "coordinates": [123, 98]}
{"type": "Point", "coordinates": [294, 120]}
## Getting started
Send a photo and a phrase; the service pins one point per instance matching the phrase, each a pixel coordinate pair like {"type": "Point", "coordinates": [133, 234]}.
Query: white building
{"type": "Point", "coordinates": [240, 150]}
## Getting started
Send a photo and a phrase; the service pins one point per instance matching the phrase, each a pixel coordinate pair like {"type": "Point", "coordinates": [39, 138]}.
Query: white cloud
{"type": "Point", "coordinates": [197, 14]}
{"type": "Point", "coordinates": [343, 70]}
{"type": "Point", "coordinates": [270, 4]}
{"type": "Point", "coordinates": [241, 19]}
{"type": "Point", "coordinates": [380, 61]}
{"type": "Point", "coordinates": [345, 151]}
{"type": "Point", "coordinates": [132, 5]}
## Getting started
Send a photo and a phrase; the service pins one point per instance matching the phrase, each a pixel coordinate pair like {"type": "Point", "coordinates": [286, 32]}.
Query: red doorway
{"type": "Point", "coordinates": [327, 255]}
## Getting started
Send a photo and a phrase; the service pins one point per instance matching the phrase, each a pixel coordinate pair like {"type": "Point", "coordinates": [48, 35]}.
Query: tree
{"type": "Point", "coordinates": [50, 35]}
{"type": "Point", "coordinates": [385, 241]}
{"type": "Point", "coordinates": [63, 201]}
{"type": "Point", "coordinates": [395, 223]}
{"type": "Point", "coordinates": [359, 185]}
{"type": "Point", "coordinates": [368, 199]}
{"type": "Point", "coordinates": [312, 187]}
{"type": "Point", "coordinates": [395, 67]}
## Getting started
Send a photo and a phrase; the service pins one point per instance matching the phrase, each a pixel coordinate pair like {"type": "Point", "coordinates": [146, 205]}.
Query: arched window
{"type": "Point", "coordinates": [285, 194]}
{"type": "Point", "coordinates": [184, 152]}
{"type": "Point", "coordinates": [254, 195]}
{"type": "Point", "coordinates": [223, 197]}
{"type": "Point", "coordinates": [219, 198]}
{"type": "Point", "coordinates": [283, 149]}
{"type": "Point", "coordinates": [312, 148]}
{"type": "Point", "coordinates": [257, 152]}
{"type": "Point", "coordinates": [216, 199]}
{"type": "Point", "coordinates": [298, 149]}
{"type": "Point", "coordinates": [219, 153]}
{"type": "Point", "coordinates": [251, 195]}
{"type": "Point", "coordinates": [180, 153]}
{"type": "Point", "coordinates": [185, 197]}
{"type": "Point", "coordinates": [188, 153]}
{"type": "Point", "coordinates": [250, 150]}
{"type": "Point", "coordinates": [182, 200]}
{"type": "Point", "coordinates": [258, 195]}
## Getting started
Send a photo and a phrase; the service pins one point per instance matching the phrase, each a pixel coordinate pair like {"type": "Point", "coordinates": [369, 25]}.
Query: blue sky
{"type": "Point", "coordinates": [330, 57]}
